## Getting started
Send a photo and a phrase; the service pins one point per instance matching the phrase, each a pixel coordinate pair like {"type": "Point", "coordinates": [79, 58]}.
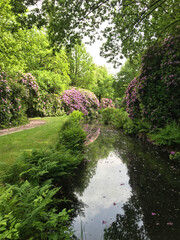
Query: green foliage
{"type": "Point", "coordinates": [103, 85]}
{"type": "Point", "coordinates": [41, 165]}
{"type": "Point", "coordinates": [107, 115]}
{"type": "Point", "coordinates": [153, 95]}
{"type": "Point", "coordinates": [12, 145]}
{"type": "Point", "coordinates": [72, 135]}
{"type": "Point", "coordinates": [132, 26]}
{"type": "Point", "coordinates": [29, 50]}
{"type": "Point", "coordinates": [12, 109]}
{"type": "Point", "coordinates": [55, 163]}
{"type": "Point", "coordinates": [175, 156]}
{"type": "Point", "coordinates": [28, 207]}
{"type": "Point", "coordinates": [28, 212]}
{"type": "Point", "coordinates": [118, 118]}
{"type": "Point", "coordinates": [81, 67]}
{"type": "Point", "coordinates": [50, 82]}
{"type": "Point", "coordinates": [169, 135]}
{"type": "Point", "coordinates": [127, 73]}
{"type": "Point", "coordinates": [76, 116]}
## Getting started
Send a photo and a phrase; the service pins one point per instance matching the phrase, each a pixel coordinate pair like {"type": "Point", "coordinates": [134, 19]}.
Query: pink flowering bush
{"type": "Point", "coordinates": [12, 110]}
{"type": "Point", "coordinates": [154, 95]}
{"type": "Point", "coordinates": [107, 103]}
{"type": "Point", "coordinates": [21, 97]}
{"type": "Point", "coordinates": [49, 105]}
{"type": "Point", "coordinates": [32, 94]}
{"type": "Point", "coordinates": [38, 102]}
{"type": "Point", "coordinates": [81, 100]}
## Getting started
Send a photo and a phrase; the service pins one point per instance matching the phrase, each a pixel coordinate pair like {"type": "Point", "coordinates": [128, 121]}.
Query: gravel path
{"type": "Point", "coordinates": [32, 124]}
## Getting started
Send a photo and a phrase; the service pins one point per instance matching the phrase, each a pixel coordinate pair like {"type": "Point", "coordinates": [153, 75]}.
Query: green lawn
{"type": "Point", "coordinates": [12, 145]}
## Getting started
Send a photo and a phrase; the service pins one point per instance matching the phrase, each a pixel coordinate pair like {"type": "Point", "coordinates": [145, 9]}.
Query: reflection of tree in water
{"type": "Point", "coordinates": [99, 149]}
{"type": "Point", "coordinates": [129, 225]}
{"type": "Point", "coordinates": [155, 198]}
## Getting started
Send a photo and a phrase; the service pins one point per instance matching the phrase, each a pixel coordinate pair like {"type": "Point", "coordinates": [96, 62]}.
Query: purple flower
{"type": "Point", "coordinates": [153, 214]}
{"type": "Point", "coordinates": [170, 223]}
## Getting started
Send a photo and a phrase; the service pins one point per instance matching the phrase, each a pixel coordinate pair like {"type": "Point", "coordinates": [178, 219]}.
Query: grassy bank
{"type": "Point", "coordinates": [12, 145]}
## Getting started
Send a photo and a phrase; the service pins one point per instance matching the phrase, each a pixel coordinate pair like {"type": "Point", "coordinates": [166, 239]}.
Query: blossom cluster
{"type": "Point", "coordinates": [81, 100]}
{"type": "Point", "coordinates": [106, 103]}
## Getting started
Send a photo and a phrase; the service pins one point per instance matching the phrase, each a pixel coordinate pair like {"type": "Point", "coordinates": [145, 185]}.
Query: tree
{"type": "Point", "coordinates": [131, 25]}
{"type": "Point", "coordinates": [127, 73]}
{"type": "Point", "coordinates": [81, 67]}
{"type": "Point", "coordinates": [103, 84]}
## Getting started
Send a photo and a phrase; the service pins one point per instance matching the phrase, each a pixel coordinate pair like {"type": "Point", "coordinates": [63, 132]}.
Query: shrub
{"type": "Point", "coordinates": [153, 96]}
{"type": "Point", "coordinates": [32, 96]}
{"type": "Point", "coordinates": [168, 135]}
{"type": "Point", "coordinates": [118, 118]}
{"type": "Point", "coordinates": [81, 100]}
{"type": "Point", "coordinates": [107, 103]}
{"type": "Point", "coordinates": [49, 105]}
{"type": "Point", "coordinates": [107, 115]}
{"type": "Point", "coordinates": [72, 135]}
{"type": "Point", "coordinates": [12, 109]}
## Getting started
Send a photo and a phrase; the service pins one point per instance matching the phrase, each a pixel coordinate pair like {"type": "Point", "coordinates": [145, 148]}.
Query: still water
{"type": "Point", "coordinates": [126, 190]}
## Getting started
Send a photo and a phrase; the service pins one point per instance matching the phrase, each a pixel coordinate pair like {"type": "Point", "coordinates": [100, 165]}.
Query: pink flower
{"type": "Point", "coordinates": [172, 152]}
{"type": "Point", "coordinates": [104, 222]}
{"type": "Point", "coordinates": [170, 223]}
{"type": "Point", "coordinates": [153, 214]}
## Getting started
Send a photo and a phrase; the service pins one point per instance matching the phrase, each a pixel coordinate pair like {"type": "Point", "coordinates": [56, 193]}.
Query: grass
{"type": "Point", "coordinates": [12, 145]}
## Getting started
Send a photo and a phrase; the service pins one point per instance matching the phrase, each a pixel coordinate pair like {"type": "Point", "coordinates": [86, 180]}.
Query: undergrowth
{"type": "Point", "coordinates": [28, 202]}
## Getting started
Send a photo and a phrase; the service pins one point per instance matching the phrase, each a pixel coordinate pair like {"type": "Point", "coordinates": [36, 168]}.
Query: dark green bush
{"type": "Point", "coordinates": [154, 95]}
{"type": "Point", "coordinates": [118, 118]}
{"type": "Point", "coordinates": [107, 115]}
{"type": "Point", "coordinates": [72, 135]}
{"type": "Point", "coordinates": [169, 135]}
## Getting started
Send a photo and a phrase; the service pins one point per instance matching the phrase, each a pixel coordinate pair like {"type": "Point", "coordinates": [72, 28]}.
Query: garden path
{"type": "Point", "coordinates": [32, 124]}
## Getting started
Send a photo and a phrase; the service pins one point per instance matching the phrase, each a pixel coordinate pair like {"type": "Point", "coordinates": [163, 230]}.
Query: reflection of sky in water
{"type": "Point", "coordinates": [104, 197]}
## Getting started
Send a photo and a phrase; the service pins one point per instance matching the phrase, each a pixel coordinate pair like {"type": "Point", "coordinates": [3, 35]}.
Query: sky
{"type": "Point", "coordinates": [94, 51]}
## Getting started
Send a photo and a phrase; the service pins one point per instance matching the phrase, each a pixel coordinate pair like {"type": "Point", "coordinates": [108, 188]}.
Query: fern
{"type": "Point", "coordinates": [169, 135]}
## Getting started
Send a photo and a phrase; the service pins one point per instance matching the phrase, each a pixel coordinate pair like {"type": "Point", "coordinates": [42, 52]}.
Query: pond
{"type": "Point", "coordinates": [126, 190]}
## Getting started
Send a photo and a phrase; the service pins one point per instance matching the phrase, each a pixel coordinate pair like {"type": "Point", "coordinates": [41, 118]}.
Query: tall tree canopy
{"type": "Point", "coordinates": [81, 67]}
{"type": "Point", "coordinates": [131, 25]}
{"type": "Point", "coordinates": [128, 71]}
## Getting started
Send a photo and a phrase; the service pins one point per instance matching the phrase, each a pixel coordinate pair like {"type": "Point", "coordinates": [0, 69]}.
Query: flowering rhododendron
{"type": "Point", "coordinates": [154, 95]}
{"type": "Point", "coordinates": [81, 100]}
{"type": "Point", "coordinates": [21, 97]}
{"type": "Point", "coordinates": [11, 110]}
{"type": "Point", "coordinates": [106, 103]}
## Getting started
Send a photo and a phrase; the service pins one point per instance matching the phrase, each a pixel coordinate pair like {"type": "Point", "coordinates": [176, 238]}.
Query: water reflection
{"type": "Point", "coordinates": [130, 191]}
